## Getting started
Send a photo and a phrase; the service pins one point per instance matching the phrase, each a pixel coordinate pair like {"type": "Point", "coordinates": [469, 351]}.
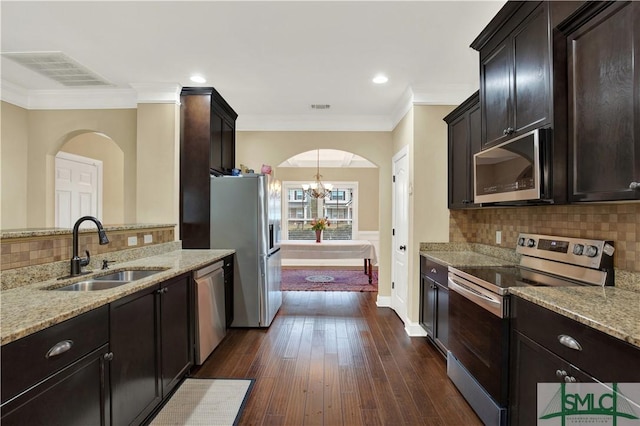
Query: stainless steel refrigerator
{"type": "Point", "coordinates": [246, 216]}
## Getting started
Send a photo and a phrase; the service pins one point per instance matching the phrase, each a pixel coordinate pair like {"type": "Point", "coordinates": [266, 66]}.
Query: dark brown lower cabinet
{"type": "Point", "coordinates": [175, 314]}
{"type": "Point", "coordinates": [60, 375]}
{"type": "Point", "coordinates": [539, 356]}
{"type": "Point", "coordinates": [135, 369]}
{"type": "Point", "coordinates": [534, 364]}
{"type": "Point", "coordinates": [75, 395]}
{"type": "Point", "coordinates": [434, 303]}
{"type": "Point", "coordinates": [152, 348]}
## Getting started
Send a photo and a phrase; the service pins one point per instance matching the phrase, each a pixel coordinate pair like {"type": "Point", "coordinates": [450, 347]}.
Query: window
{"type": "Point", "coordinates": [339, 207]}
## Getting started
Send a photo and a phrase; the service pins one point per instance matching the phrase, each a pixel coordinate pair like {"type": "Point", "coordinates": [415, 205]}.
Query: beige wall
{"type": "Point", "coordinates": [99, 147]}
{"type": "Point", "coordinates": [428, 204]}
{"type": "Point", "coordinates": [255, 148]}
{"type": "Point", "coordinates": [158, 171]}
{"type": "Point", "coordinates": [425, 133]}
{"type": "Point", "coordinates": [367, 179]}
{"type": "Point", "coordinates": [13, 178]}
{"type": "Point", "coordinates": [49, 130]}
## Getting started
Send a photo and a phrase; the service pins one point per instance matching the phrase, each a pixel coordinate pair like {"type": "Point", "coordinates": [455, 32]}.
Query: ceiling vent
{"type": "Point", "coordinates": [320, 106]}
{"type": "Point", "coordinates": [59, 67]}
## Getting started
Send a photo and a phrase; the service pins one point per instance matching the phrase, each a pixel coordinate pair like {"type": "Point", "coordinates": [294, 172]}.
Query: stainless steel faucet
{"type": "Point", "coordinates": [77, 262]}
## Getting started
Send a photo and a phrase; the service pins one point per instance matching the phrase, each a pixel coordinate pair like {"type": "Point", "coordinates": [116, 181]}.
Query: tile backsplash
{"type": "Point", "coordinates": [38, 250]}
{"type": "Point", "coordinates": [619, 223]}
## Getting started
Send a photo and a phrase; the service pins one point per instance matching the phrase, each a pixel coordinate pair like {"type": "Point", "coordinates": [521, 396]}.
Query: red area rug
{"type": "Point", "coordinates": [327, 280]}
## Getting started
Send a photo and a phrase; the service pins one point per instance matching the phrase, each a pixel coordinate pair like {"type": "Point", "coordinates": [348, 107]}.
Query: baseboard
{"type": "Point", "coordinates": [414, 329]}
{"type": "Point", "coordinates": [383, 301]}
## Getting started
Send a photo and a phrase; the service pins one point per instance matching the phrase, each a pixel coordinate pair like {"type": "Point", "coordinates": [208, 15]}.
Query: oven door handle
{"type": "Point", "coordinates": [458, 285]}
{"type": "Point", "coordinates": [486, 301]}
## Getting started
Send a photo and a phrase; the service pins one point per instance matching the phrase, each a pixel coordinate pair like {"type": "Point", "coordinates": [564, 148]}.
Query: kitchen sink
{"type": "Point", "coordinates": [128, 275]}
{"type": "Point", "coordinates": [112, 280]}
{"type": "Point", "coordinates": [92, 285]}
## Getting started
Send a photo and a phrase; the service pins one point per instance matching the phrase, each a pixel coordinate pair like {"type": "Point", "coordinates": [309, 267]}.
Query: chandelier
{"type": "Point", "coordinates": [317, 189]}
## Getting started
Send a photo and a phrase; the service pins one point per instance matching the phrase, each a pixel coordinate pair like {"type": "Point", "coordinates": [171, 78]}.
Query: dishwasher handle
{"type": "Point", "coordinates": [207, 270]}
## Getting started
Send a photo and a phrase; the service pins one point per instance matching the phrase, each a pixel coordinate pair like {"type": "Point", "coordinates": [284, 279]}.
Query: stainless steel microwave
{"type": "Point", "coordinates": [514, 172]}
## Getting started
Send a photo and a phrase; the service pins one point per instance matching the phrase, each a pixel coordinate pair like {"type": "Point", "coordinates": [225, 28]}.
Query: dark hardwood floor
{"type": "Point", "coordinates": [334, 358]}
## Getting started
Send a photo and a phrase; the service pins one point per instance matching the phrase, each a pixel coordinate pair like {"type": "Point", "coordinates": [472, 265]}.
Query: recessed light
{"type": "Point", "coordinates": [380, 79]}
{"type": "Point", "coordinates": [198, 79]}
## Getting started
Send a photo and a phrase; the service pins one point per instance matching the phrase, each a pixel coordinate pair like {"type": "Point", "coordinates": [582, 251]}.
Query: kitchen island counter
{"type": "Point", "coordinates": [34, 307]}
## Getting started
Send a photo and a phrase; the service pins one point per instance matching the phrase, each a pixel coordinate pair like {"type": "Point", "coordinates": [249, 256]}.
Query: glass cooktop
{"type": "Point", "coordinates": [503, 277]}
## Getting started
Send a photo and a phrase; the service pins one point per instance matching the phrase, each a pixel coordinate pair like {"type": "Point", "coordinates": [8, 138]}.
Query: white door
{"type": "Point", "coordinates": [400, 239]}
{"type": "Point", "coordinates": [78, 184]}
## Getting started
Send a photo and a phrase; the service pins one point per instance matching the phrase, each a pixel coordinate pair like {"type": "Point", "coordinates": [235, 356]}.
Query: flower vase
{"type": "Point", "coordinates": [318, 235]}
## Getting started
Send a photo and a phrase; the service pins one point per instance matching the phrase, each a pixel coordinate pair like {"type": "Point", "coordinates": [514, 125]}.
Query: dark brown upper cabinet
{"type": "Point", "coordinates": [603, 56]}
{"type": "Point", "coordinates": [521, 69]}
{"type": "Point", "coordinates": [207, 145]}
{"type": "Point", "coordinates": [463, 125]}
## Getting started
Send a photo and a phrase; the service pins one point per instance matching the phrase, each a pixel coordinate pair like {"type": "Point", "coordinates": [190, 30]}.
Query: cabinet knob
{"type": "Point", "coordinates": [433, 270]}
{"type": "Point", "coordinates": [635, 186]}
{"type": "Point", "coordinates": [108, 356]}
{"type": "Point", "coordinates": [162, 290]}
{"type": "Point", "coordinates": [403, 248]}
{"type": "Point", "coordinates": [504, 132]}
{"type": "Point", "coordinates": [561, 374]}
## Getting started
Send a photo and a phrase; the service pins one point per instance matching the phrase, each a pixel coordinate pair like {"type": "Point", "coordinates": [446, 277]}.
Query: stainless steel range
{"type": "Point", "coordinates": [478, 357]}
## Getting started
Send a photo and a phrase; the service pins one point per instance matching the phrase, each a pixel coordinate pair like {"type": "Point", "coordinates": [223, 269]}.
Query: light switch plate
{"type": "Point", "coordinates": [148, 239]}
{"type": "Point", "coordinates": [498, 237]}
{"type": "Point", "coordinates": [132, 241]}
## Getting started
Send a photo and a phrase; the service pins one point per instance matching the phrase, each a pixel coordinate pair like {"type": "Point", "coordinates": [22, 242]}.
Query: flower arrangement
{"type": "Point", "coordinates": [320, 224]}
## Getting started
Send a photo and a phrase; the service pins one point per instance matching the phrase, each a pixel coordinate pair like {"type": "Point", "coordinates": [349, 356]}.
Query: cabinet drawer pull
{"type": "Point", "coordinates": [569, 342]}
{"type": "Point", "coordinates": [634, 185]}
{"type": "Point", "coordinates": [59, 348]}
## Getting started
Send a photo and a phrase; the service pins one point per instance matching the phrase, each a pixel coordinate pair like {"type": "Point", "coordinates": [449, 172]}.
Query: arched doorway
{"type": "Point", "coordinates": [107, 201]}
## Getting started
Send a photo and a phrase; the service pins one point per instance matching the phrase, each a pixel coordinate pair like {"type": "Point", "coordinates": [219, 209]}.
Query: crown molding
{"type": "Point", "coordinates": [109, 98]}
{"type": "Point", "coordinates": [313, 123]}
{"type": "Point", "coordinates": [143, 93]}
{"type": "Point", "coordinates": [402, 107]}
{"type": "Point", "coordinates": [14, 94]}
{"type": "Point", "coordinates": [450, 94]}
{"type": "Point", "coordinates": [157, 93]}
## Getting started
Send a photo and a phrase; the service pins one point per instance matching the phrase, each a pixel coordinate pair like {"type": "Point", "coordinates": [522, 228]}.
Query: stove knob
{"type": "Point", "coordinates": [531, 242]}
{"type": "Point", "coordinates": [591, 251]}
{"type": "Point", "coordinates": [578, 249]}
{"type": "Point", "coordinates": [521, 241]}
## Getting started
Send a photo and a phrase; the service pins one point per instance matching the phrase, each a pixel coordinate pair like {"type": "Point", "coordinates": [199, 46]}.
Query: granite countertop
{"type": "Point", "coordinates": [31, 308]}
{"type": "Point", "coordinates": [611, 310]}
{"type": "Point", "coordinates": [464, 258]}
{"type": "Point", "coordinates": [614, 311]}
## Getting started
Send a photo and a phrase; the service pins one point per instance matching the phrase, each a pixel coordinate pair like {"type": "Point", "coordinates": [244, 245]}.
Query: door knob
{"type": "Point", "coordinates": [403, 248]}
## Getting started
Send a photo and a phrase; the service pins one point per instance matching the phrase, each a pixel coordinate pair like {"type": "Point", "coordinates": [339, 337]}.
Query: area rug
{"type": "Point", "coordinates": [211, 402]}
{"type": "Point", "coordinates": [327, 280]}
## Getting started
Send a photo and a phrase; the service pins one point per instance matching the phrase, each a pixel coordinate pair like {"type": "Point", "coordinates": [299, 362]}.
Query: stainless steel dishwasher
{"type": "Point", "coordinates": [210, 314]}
